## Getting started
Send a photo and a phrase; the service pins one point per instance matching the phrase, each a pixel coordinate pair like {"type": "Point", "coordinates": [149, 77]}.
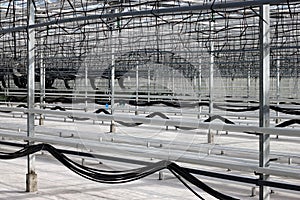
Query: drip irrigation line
{"type": "Point", "coordinates": [58, 108]}
{"type": "Point", "coordinates": [117, 177]}
{"type": "Point", "coordinates": [236, 178]}
{"type": "Point", "coordinates": [288, 123]}
{"type": "Point", "coordinates": [100, 110]}
{"type": "Point", "coordinates": [290, 111]}
{"type": "Point", "coordinates": [186, 185]}
{"type": "Point", "coordinates": [223, 119]}
{"type": "Point", "coordinates": [79, 118]}
{"type": "Point", "coordinates": [5, 111]}
{"type": "Point", "coordinates": [192, 179]}
{"type": "Point", "coordinates": [163, 116]}
{"type": "Point", "coordinates": [246, 109]}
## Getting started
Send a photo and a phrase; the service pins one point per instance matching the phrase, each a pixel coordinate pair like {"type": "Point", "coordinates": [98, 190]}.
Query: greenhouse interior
{"type": "Point", "coordinates": [173, 99]}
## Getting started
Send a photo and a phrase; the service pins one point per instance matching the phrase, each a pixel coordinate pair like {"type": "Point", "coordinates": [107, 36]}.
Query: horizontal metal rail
{"type": "Point", "coordinates": [165, 122]}
{"type": "Point", "coordinates": [150, 142]}
{"type": "Point", "coordinates": [245, 165]}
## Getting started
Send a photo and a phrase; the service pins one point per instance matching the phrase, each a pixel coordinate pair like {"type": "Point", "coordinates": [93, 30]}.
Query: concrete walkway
{"type": "Point", "coordinates": [57, 182]}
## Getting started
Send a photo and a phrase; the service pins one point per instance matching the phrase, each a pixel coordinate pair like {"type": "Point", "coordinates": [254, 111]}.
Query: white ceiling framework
{"type": "Point", "coordinates": [76, 32]}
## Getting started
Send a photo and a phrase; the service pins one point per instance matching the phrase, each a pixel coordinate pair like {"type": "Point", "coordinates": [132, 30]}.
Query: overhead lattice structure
{"type": "Point", "coordinates": [74, 35]}
{"type": "Point", "coordinates": [192, 58]}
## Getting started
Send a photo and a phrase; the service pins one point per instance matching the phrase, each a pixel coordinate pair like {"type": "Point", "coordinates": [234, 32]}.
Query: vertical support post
{"type": "Point", "coordinates": [210, 136]}
{"type": "Point", "coordinates": [248, 82]}
{"type": "Point", "coordinates": [199, 87]}
{"type": "Point", "coordinates": [296, 85]}
{"type": "Point", "coordinates": [86, 86]}
{"type": "Point", "coordinates": [42, 85]}
{"type": "Point", "coordinates": [277, 87]}
{"type": "Point", "coordinates": [31, 177]}
{"type": "Point", "coordinates": [112, 101]}
{"type": "Point", "coordinates": [173, 83]}
{"type": "Point", "coordinates": [149, 83]}
{"type": "Point", "coordinates": [264, 87]}
{"type": "Point", "coordinates": [137, 87]}
{"type": "Point", "coordinates": [195, 87]}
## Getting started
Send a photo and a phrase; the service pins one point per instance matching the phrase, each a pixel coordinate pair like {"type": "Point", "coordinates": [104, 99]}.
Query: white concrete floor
{"type": "Point", "coordinates": [57, 182]}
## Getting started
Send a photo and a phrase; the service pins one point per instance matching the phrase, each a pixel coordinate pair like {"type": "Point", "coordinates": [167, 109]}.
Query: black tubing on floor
{"type": "Point", "coordinates": [117, 177]}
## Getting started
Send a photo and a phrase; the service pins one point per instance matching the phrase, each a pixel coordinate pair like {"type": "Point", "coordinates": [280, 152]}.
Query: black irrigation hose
{"type": "Point", "coordinates": [102, 110]}
{"type": "Point", "coordinates": [186, 185]}
{"type": "Point", "coordinates": [288, 123]}
{"type": "Point", "coordinates": [157, 114]}
{"type": "Point", "coordinates": [117, 177]}
{"type": "Point", "coordinates": [58, 108]}
{"type": "Point", "coordinates": [176, 104]}
{"type": "Point", "coordinates": [128, 124]}
{"type": "Point", "coordinates": [60, 99]}
{"type": "Point", "coordinates": [190, 170]}
{"type": "Point", "coordinates": [163, 116]}
{"type": "Point", "coordinates": [246, 108]}
{"type": "Point", "coordinates": [21, 106]}
{"type": "Point", "coordinates": [192, 179]}
{"type": "Point", "coordinates": [290, 111]}
{"type": "Point", "coordinates": [5, 111]}
{"type": "Point", "coordinates": [191, 105]}
{"type": "Point", "coordinates": [185, 128]}
{"type": "Point", "coordinates": [151, 103]}
{"type": "Point", "coordinates": [79, 118]}
{"type": "Point", "coordinates": [219, 107]}
{"type": "Point", "coordinates": [223, 119]}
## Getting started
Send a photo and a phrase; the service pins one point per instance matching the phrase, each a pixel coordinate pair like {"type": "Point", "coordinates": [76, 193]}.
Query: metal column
{"type": "Point", "coordinates": [199, 87]}
{"type": "Point", "coordinates": [210, 136]}
{"type": "Point", "coordinates": [42, 85]}
{"type": "Point", "coordinates": [112, 83]}
{"type": "Point", "coordinates": [173, 83]}
{"type": "Point", "coordinates": [86, 87]}
{"type": "Point", "coordinates": [31, 177]}
{"type": "Point", "coordinates": [264, 86]}
{"type": "Point", "coordinates": [112, 102]}
{"type": "Point", "coordinates": [277, 87]}
{"type": "Point", "coordinates": [136, 87]}
{"type": "Point", "coordinates": [248, 81]}
{"type": "Point", "coordinates": [149, 83]}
